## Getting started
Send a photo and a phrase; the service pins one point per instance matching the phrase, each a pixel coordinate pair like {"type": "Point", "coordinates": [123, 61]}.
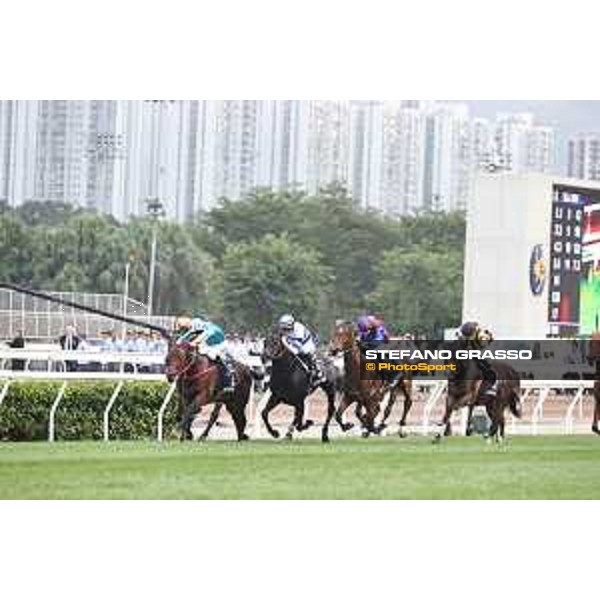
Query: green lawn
{"type": "Point", "coordinates": [526, 467]}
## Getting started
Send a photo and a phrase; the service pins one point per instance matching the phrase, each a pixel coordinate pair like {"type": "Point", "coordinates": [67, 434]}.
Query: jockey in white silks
{"type": "Point", "coordinates": [301, 342]}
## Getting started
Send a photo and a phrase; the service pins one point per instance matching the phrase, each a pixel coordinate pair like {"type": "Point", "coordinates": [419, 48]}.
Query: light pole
{"type": "Point", "coordinates": [125, 296]}
{"type": "Point", "coordinates": [154, 209]}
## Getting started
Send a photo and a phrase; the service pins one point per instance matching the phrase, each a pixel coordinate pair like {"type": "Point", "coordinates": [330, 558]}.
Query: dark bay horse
{"type": "Point", "coordinates": [594, 355]}
{"type": "Point", "coordinates": [290, 384]}
{"type": "Point", "coordinates": [464, 386]}
{"type": "Point", "coordinates": [368, 394]}
{"type": "Point", "coordinates": [198, 385]}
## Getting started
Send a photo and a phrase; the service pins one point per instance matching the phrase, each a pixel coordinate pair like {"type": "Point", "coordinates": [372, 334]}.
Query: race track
{"type": "Point", "coordinates": [527, 467]}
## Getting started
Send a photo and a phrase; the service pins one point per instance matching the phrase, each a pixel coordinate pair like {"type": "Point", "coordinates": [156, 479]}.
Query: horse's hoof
{"type": "Point", "coordinates": [437, 438]}
{"type": "Point", "coordinates": [244, 438]}
{"type": "Point", "coordinates": [596, 429]}
{"type": "Point", "coordinates": [347, 427]}
{"type": "Point", "coordinates": [275, 434]}
{"type": "Point", "coordinates": [365, 434]}
{"type": "Point", "coordinates": [202, 438]}
{"type": "Point", "coordinates": [325, 439]}
{"type": "Point", "coordinates": [289, 437]}
{"type": "Point", "coordinates": [402, 434]}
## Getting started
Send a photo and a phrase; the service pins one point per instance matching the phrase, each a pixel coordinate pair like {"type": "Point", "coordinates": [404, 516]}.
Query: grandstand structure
{"type": "Point", "coordinates": [44, 321]}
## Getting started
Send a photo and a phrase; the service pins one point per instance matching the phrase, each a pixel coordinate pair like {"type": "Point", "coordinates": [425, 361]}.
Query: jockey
{"type": "Point", "coordinates": [477, 337]}
{"type": "Point", "coordinates": [301, 342]}
{"type": "Point", "coordinates": [209, 339]}
{"type": "Point", "coordinates": [372, 332]}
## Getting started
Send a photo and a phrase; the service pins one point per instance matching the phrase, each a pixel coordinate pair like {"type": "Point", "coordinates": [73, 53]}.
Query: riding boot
{"type": "Point", "coordinates": [317, 376]}
{"type": "Point", "coordinates": [229, 367]}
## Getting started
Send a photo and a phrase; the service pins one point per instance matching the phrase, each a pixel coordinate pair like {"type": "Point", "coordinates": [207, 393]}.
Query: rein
{"type": "Point", "coordinates": [190, 364]}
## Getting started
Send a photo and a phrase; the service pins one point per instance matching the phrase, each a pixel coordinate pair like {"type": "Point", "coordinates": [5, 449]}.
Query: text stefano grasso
{"type": "Point", "coordinates": [409, 355]}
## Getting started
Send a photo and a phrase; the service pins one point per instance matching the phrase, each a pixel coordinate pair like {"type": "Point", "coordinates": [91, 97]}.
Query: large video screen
{"type": "Point", "coordinates": [574, 306]}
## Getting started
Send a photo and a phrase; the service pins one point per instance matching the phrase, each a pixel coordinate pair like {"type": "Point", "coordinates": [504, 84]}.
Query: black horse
{"type": "Point", "coordinates": [290, 384]}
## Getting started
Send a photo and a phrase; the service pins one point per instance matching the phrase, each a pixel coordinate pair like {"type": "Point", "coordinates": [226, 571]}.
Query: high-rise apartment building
{"type": "Point", "coordinates": [584, 156]}
{"type": "Point", "coordinates": [395, 156]}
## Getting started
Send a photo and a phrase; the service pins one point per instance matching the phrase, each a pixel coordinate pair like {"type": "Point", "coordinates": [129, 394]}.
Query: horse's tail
{"type": "Point", "coordinates": [514, 403]}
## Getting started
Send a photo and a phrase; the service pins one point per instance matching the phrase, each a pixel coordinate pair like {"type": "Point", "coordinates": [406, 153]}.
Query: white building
{"type": "Point", "coordinates": [404, 151]}
{"type": "Point", "coordinates": [521, 146]}
{"type": "Point", "coordinates": [448, 162]}
{"type": "Point", "coordinates": [327, 143]}
{"type": "Point", "coordinates": [366, 153]}
{"type": "Point", "coordinates": [584, 156]}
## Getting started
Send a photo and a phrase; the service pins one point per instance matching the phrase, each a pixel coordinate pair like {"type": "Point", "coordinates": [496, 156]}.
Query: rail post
{"type": "Point", "coordinates": [106, 416]}
{"type": "Point", "coordinates": [163, 407]}
{"type": "Point", "coordinates": [578, 399]}
{"type": "Point", "coordinates": [434, 396]}
{"type": "Point", "coordinates": [539, 407]}
{"type": "Point", "coordinates": [59, 397]}
{"type": "Point", "coordinates": [4, 391]}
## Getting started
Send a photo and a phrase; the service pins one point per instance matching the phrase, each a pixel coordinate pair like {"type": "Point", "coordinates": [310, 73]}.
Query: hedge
{"type": "Point", "coordinates": [24, 414]}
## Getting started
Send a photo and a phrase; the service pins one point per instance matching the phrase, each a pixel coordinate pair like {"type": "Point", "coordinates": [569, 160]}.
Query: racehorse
{"type": "Point", "coordinates": [290, 384]}
{"type": "Point", "coordinates": [464, 387]}
{"type": "Point", "coordinates": [198, 383]}
{"type": "Point", "coordinates": [368, 394]}
{"type": "Point", "coordinates": [594, 355]}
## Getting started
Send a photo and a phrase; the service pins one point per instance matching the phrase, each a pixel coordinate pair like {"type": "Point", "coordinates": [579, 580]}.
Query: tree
{"type": "Point", "coordinates": [419, 290]}
{"type": "Point", "coordinates": [47, 212]}
{"type": "Point", "coordinates": [265, 278]}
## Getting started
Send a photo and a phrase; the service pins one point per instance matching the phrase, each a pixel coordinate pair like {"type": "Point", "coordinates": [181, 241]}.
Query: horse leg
{"type": "Point", "coordinates": [296, 421]}
{"type": "Point", "coordinates": [238, 414]}
{"type": "Point", "coordinates": [330, 411]}
{"type": "Point", "coordinates": [493, 415]}
{"type": "Point", "coordinates": [343, 405]}
{"type": "Point", "coordinates": [371, 411]}
{"type": "Point", "coordinates": [408, 402]}
{"type": "Point", "coordinates": [214, 415]}
{"type": "Point", "coordinates": [446, 430]}
{"type": "Point", "coordinates": [271, 404]}
{"type": "Point", "coordinates": [187, 418]}
{"type": "Point", "coordinates": [595, 427]}
{"type": "Point", "coordinates": [388, 409]}
{"type": "Point", "coordinates": [469, 431]}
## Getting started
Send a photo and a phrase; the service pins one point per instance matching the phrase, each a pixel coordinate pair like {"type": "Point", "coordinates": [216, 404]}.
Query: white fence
{"type": "Point", "coordinates": [534, 394]}
{"type": "Point", "coordinates": [57, 360]}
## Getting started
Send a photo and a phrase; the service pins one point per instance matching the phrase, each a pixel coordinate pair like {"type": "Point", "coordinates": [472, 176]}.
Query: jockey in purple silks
{"type": "Point", "coordinates": [372, 331]}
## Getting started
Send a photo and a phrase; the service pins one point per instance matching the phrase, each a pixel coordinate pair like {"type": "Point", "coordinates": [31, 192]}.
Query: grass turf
{"type": "Point", "coordinates": [546, 467]}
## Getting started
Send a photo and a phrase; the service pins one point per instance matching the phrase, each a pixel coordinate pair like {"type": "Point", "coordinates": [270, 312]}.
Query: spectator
{"type": "Point", "coordinates": [70, 341]}
{"type": "Point", "coordinates": [17, 343]}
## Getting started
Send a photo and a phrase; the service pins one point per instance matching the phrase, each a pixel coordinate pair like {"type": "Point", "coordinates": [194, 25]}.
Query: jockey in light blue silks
{"type": "Point", "coordinates": [208, 338]}
{"type": "Point", "coordinates": [301, 342]}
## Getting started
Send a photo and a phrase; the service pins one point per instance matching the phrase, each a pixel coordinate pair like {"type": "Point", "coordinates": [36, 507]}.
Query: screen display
{"type": "Point", "coordinates": [574, 285]}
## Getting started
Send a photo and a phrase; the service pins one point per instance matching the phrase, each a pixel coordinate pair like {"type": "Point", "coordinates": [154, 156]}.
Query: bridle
{"type": "Point", "coordinates": [191, 362]}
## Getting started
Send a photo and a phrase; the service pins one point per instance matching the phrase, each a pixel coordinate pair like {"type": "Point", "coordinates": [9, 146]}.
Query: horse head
{"type": "Point", "coordinates": [180, 358]}
{"type": "Point", "coordinates": [273, 346]}
{"type": "Point", "coordinates": [343, 338]}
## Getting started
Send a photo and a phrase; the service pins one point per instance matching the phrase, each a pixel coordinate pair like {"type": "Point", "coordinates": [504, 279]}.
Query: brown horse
{"type": "Point", "coordinates": [368, 394]}
{"type": "Point", "coordinates": [594, 355]}
{"type": "Point", "coordinates": [464, 387]}
{"type": "Point", "coordinates": [198, 384]}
